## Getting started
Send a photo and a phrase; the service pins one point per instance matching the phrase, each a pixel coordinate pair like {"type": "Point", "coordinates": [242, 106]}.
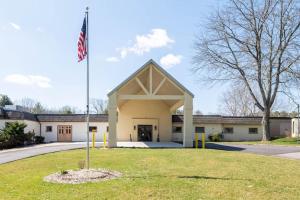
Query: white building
{"type": "Point", "coordinates": [140, 109]}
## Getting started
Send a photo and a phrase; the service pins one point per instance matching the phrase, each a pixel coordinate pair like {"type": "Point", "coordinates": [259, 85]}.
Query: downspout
{"type": "Point", "coordinates": [39, 124]}
{"type": "Point", "coordinates": [40, 128]}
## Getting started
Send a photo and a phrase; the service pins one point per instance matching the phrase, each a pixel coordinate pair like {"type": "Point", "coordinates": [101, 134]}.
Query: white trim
{"type": "Point", "coordinates": [159, 86]}
{"type": "Point", "coordinates": [151, 97]}
{"type": "Point", "coordinates": [176, 105]}
{"type": "Point", "coordinates": [141, 84]}
{"type": "Point", "coordinates": [150, 79]}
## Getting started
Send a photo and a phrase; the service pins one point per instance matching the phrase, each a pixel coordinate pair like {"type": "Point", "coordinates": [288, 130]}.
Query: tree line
{"type": "Point", "coordinates": [236, 101]}
{"type": "Point", "coordinates": [98, 106]}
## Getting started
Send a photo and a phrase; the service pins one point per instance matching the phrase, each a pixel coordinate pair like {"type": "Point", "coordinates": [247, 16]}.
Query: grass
{"type": "Point", "coordinates": [281, 141]}
{"type": "Point", "coordinates": [156, 174]}
{"type": "Point", "coordinates": [286, 141]}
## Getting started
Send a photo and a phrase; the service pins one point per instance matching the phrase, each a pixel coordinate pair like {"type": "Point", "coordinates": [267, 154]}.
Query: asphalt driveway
{"type": "Point", "coordinates": [20, 153]}
{"type": "Point", "coordinates": [261, 149]}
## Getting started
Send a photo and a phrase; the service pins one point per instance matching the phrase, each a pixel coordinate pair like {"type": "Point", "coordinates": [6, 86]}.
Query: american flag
{"type": "Point", "coordinates": [82, 42]}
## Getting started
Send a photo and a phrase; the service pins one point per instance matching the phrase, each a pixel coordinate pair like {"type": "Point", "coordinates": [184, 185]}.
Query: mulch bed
{"type": "Point", "coordinates": [82, 176]}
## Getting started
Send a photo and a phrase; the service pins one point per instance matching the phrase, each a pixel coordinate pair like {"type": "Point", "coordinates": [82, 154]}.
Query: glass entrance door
{"type": "Point", "coordinates": [145, 133]}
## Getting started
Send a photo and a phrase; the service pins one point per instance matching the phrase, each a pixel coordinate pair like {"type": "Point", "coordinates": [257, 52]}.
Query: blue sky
{"type": "Point", "coordinates": [39, 47]}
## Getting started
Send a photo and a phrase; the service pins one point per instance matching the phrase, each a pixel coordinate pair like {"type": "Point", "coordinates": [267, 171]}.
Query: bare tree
{"type": "Point", "coordinates": [255, 43]}
{"type": "Point", "coordinates": [237, 101]}
{"type": "Point", "coordinates": [99, 106]}
{"type": "Point", "coordinates": [27, 103]}
{"type": "Point", "coordinates": [67, 110]}
{"type": "Point", "coordinates": [198, 112]}
{"type": "Point", "coordinates": [38, 108]}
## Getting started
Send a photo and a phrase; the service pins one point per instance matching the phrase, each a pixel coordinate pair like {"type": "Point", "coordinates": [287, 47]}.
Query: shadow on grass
{"type": "Point", "coordinates": [211, 178]}
{"type": "Point", "coordinates": [223, 147]}
{"type": "Point", "coordinates": [187, 177]}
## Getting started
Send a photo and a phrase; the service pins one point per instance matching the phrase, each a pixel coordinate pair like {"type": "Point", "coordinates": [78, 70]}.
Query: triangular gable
{"type": "Point", "coordinates": [158, 67]}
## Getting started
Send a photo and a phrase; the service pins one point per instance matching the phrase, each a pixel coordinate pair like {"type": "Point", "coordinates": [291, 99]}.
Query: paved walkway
{"type": "Point", "coordinates": [262, 149]}
{"type": "Point", "coordinates": [20, 153]}
{"type": "Point", "coordinates": [295, 155]}
{"type": "Point", "coordinates": [149, 144]}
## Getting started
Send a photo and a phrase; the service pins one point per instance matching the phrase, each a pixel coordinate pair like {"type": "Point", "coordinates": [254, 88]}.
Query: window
{"type": "Point", "coordinates": [64, 129]}
{"type": "Point", "coordinates": [253, 130]}
{"type": "Point", "coordinates": [199, 129]}
{"type": "Point", "coordinates": [177, 129]}
{"type": "Point", "coordinates": [48, 128]}
{"type": "Point", "coordinates": [107, 129]}
{"type": "Point", "coordinates": [293, 127]}
{"type": "Point", "coordinates": [93, 128]}
{"type": "Point", "coordinates": [228, 130]}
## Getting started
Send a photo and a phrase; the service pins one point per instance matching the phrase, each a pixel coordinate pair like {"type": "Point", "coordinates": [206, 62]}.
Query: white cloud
{"type": "Point", "coordinates": [15, 26]}
{"type": "Point", "coordinates": [112, 59]}
{"type": "Point", "coordinates": [40, 29]}
{"type": "Point", "coordinates": [30, 80]}
{"type": "Point", "coordinates": [170, 60]}
{"type": "Point", "coordinates": [157, 38]}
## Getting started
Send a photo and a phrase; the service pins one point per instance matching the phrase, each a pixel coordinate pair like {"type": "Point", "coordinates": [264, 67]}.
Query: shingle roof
{"type": "Point", "coordinates": [21, 115]}
{"type": "Point", "coordinates": [17, 115]}
{"type": "Point", "coordinates": [212, 119]}
{"type": "Point", "coordinates": [197, 119]}
{"type": "Point", "coordinates": [71, 117]}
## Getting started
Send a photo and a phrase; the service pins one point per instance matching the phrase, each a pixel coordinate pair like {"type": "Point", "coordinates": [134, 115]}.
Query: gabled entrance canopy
{"type": "Point", "coordinates": [149, 82]}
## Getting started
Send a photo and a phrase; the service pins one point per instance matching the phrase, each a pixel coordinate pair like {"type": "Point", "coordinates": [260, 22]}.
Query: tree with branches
{"type": "Point", "coordinates": [236, 101]}
{"type": "Point", "coordinates": [255, 43]}
{"type": "Point", "coordinates": [5, 100]}
{"type": "Point", "coordinates": [99, 106]}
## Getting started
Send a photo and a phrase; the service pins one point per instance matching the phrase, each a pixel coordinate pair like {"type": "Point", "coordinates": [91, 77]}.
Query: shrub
{"type": "Point", "coordinates": [3, 140]}
{"type": "Point", "coordinates": [215, 137]}
{"type": "Point", "coordinates": [29, 137]}
{"type": "Point", "coordinates": [13, 135]}
{"type": "Point", "coordinates": [63, 172]}
{"type": "Point", "coordinates": [39, 139]}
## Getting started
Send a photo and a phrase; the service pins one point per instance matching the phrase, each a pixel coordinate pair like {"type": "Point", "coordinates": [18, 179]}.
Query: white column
{"type": "Point", "coordinates": [188, 121]}
{"type": "Point", "coordinates": [112, 120]}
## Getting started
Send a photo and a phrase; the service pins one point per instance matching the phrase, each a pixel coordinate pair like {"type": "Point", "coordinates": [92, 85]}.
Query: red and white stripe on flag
{"type": "Point", "coordinates": [82, 51]}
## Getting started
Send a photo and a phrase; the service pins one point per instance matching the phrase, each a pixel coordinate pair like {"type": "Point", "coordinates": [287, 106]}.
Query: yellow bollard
{"type": "Point", "coordinates": [104, 140]}
{"type": "Point", "coordinates": [93, 131]}
{"type": "Point", "coordinates": [203, 140]}
{"type": "Point", "coordinates": [196, 140]}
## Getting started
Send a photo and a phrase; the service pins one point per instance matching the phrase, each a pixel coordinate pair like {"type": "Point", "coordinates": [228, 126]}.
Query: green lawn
{"type": "Point", "coordinates": [281, 141]}
{"type": "Point", "coordinates": [157, 174]}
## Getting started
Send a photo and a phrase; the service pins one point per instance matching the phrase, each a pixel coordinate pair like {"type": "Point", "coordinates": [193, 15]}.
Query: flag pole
{"type": "Point", "coordinates": [87, 91]}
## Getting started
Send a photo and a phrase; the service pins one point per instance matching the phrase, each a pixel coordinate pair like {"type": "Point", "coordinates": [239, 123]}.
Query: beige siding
{"type": "Point", "coordinates": [241, 133]}
{"type": "Point", "coordinates": [78, 130]}
{"type": "Point", "coordinates": [209, 129]}
{"type": "Point", "coordinates": [280, 127]}
{"type": "Point", "coordinates": [32, 126]}
{"type": "Point", "coordinates": [147, 109]}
